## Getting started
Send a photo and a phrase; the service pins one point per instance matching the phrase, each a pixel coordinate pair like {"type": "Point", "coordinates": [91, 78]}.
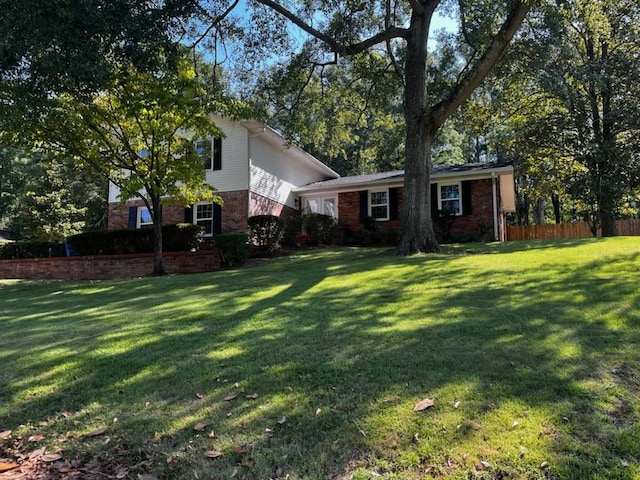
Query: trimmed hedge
{"type": "Point", "coordinates": [266, 233]}
{"type": "Point", "coordinates": [175, 238]}
{"type": "Point", "coordinates": [24, 249]}
{"type": "Point", "coordinates": [234, 248]}
{"type": "Point", "coordinates": [320, 227]}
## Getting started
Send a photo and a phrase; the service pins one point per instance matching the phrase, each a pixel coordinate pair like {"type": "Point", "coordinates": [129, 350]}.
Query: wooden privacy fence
{"type": "Point", "coordinates": [567, 230]}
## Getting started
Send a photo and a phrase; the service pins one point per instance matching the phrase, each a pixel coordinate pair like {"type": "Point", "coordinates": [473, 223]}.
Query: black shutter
{"type": "Point", "coordinates": [434, 197]}
{"type": "Point", "coordinates": [467, 204]}
{"type": "Point", "coordinates": [364, 204]}
{"type": "Point", "coordinates": [393, 203]}
{"type": "Point", "coordinates": [217, 154]}
{"type": "Point", "coordinates": [133, 217]}
{"type": "Point", "coordinates": [188, 214]}
{"type": "Point", "coordinates": [217, 219]}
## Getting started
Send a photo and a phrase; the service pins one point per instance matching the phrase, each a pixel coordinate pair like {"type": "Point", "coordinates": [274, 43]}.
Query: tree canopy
{"type": "Point", "coordinates": [399, 32]}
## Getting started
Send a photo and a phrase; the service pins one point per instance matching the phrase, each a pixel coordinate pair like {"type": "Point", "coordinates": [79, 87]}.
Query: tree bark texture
{"type": "Point", "coordinates": [417, 234]}
{"type": "Point", "coordinates": [156, 215]}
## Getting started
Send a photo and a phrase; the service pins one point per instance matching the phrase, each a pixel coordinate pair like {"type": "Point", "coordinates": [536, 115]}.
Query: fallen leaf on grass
{"type": "Point", "coordinates": [240, 450]}
{"type": "Point", "coordinates": [485, 464]}
{"type": "Point", "coordinates": [230, 397]}
{"type": "Point", "coordinates": [200, 426]}
{"type": "Point", "coordinates": [212, 434]}
{"type": "Point", "coordinates": [144, 476]}
{"type": "Point", "coordinates": [51, 457]}
{"type": "Point", "coordinates": [213, 454]}
{"type": "Point", "coordinates": [97, 432]}
{"type": "Point", "coordinates": [5, 434]}
{"type": "Point", "coordinates": [424, 404]}
{"type": "Point", "coordinates": [37, 453]}
{"type": "Point", "coordinates": [282, 421]}
{"type": "Point", "coordinates": [199, 395]}
{"type": "Point", "coordinates": [234, 474]}
{"type": "Point", "coordinates": [6, 466]}
{"type": "Point", "coordinates": [456, 404]}
{"type": "Point", "coordinates": [318, 411]}
{"type": "Point", "coordinates": [252, 396]}
{"type": "Point", "coordinates": [35, 438]}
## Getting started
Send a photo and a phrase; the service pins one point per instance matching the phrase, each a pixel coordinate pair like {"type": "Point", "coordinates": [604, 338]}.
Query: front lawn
{"type": "Point", "coordinates": [310, 367]}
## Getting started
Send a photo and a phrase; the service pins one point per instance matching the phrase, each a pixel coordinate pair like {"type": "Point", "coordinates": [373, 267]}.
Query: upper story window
{"type": "Point", "coordinates": [210, 151]}
{"type": "Point", "coordinates": [379, 204]}
{"type": "Point", "coordinates": [449, 197]}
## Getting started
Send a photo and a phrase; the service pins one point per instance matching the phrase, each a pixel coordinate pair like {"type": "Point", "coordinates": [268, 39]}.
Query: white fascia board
{"type": "Point", "coordinates": [399, 182]}
{"type": "Point", "coordinates": [350, 187]}
{"type": "Point", "coordinates": [471, 174]}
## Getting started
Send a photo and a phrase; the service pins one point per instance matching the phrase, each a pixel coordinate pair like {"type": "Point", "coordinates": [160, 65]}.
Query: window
{"type": "Point", "coordinates": [203, 150]}
{"type": "Point", "coordinates": [329, 207]}
{"type": "Point", "coordinates": [204, 217]}
{"type": "Point", "coordinates": [144, 217]}
{"type": "Point", "coordinates": [449, 198]}
{"type": "Point", "coordinates": [322, 205]}
{"type": "Point", "coordinates": [379, 205]}
{"type": "Point", "coordinates": [210, 151]}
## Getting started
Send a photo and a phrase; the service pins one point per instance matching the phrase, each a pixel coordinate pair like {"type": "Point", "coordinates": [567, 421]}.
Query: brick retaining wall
{"type": "Point", "coordinates": [107, 267]}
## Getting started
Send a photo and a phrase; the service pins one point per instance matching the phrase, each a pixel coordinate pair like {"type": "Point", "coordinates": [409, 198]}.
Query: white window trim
{"type": "Point", "coordinates": [139, 222]}
{"type": "Point", "coordinates": [370, 203]}
{"type": "Point", "coordinates": [440, 199]}
{"type": "Point", "coordinates": [212, 218]}
{"type": "Point", "coordinates": [321, 199]}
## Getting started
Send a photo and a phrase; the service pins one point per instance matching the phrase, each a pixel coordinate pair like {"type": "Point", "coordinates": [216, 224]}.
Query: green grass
{"type": "Point", "coordinates": [529, 349]}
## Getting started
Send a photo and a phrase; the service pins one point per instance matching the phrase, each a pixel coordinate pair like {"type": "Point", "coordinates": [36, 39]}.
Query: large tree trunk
{"type": "Point", "coordinates": [156, 215]}
{"type": "Point", "coordinates": [417, 234]}
{"type": "Point", "coordinates": [538, 212]}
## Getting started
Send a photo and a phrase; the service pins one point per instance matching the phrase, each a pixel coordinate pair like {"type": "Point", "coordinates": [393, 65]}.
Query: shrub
{"type": "Point", "coordinates": [234, 248]}
{"type": "Point", "coordinates": [266, 233]}
{"type": "Point", "coordinates": [292, 228]}
{"type": "Point", "coordinates": [175, 238]}
{"type": "Point", "coordinates": [320, 227]}
{"type": "Point", "coordinates": [181, 237]}
{"type": "Point", "coordinates": [370, 224]}
{"type": "Point", "coordinates": [13, 250]}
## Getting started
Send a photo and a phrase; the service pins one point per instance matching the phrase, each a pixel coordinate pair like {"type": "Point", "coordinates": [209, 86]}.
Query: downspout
{"type": "Point", "coordinates": [495, 206]}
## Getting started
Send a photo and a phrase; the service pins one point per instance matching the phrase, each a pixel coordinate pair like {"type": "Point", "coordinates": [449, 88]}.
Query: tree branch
{"type": "Point", "coordinates": [465, 87]}
{"type": "Point", "coordinates": [333, 44]}
{"type": "Point", "coordinates": [215, 21]}
{"type": "Point", "coordinates": [417, 6]}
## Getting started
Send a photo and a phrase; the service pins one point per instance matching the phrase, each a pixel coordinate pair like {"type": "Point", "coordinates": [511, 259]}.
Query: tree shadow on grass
{"type": "Point", "coordinates": [339, 350]}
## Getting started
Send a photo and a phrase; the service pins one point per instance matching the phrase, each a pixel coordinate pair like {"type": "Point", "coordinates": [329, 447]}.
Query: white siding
{"type": "Point", "coordinates": [234, 174]}
{"type": "Point", "coordinates": [276, 170]}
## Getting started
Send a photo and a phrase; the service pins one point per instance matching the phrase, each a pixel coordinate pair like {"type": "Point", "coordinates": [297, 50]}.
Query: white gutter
{"type": "Point", "coordinates": [495, 206]}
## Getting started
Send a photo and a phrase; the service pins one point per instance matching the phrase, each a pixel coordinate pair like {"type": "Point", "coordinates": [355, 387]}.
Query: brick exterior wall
{"type": "Point", "coordinates": [108, 267]}
{"type": "Point", "coordinates": [482, 205]}
{"type": "Point", "coordinates": [261, 205]}
{"type": "Point", "coordinates": [234, 212]}
{"type": "Point", "coordinates": [464, 225]}
{"type": "Point", "coordinates": [349, 211]}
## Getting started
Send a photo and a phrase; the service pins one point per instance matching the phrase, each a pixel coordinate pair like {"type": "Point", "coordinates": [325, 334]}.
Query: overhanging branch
{"type": "Point", "coordinates": [333, 44]}
{"type": "Point", "coordinates": [468, 83]}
